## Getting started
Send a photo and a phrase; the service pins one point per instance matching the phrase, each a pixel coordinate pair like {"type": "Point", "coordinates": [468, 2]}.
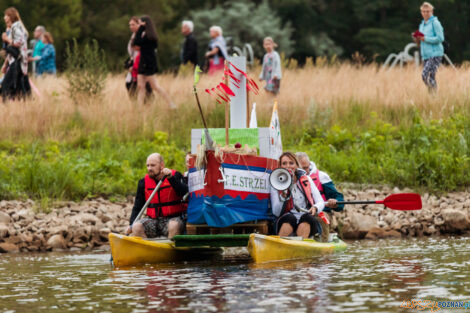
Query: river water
{"type": "Point", "coordinates": [370, 276]}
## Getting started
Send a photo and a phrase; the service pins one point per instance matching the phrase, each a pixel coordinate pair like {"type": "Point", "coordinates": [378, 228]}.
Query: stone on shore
{"type": "Point", "coordinates": [86, 225]}
{"type": "Point", "coordinates": [3, 231]}
{"type": "Point", "coordinates": [357, 225]}
{"type": "Point", "coordinates": [6, 247]}
{"type": "Point", "coordinates": [381, 233]}
{"type": "Point", "coordinates": [455, 220]}
{"type": "Point", "coordinates": [57, 242]}
{"type": "Point", "coordinates": [4, 218]}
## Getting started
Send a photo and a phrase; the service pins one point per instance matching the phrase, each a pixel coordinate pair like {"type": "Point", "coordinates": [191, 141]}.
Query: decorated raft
{"type": "Point", "coordinates": [229, 189]}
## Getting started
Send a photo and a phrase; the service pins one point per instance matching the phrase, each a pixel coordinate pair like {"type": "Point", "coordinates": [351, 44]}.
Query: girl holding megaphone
{"type": "Point", "coordinates": [295, 200]}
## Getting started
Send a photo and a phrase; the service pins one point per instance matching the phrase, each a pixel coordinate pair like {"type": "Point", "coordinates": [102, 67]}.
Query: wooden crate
{"type": "Point", "coordinates": [260, 227]}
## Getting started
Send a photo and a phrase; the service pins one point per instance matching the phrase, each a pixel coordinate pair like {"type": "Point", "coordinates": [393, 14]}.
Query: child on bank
{"type": "Point", "coordinates": [271, 70]}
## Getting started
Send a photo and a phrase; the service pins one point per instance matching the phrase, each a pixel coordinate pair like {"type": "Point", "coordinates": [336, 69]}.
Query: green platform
{"type": "Point", "coordinates": [224, 240]}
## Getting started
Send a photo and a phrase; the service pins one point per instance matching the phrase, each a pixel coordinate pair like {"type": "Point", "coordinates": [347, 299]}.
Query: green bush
{"type": "Point", "coordinates": [105, 167]}
{"type": "Point", "coordinates": [432, 155]}
{"type": "Point", "coordinates": [85, 69]}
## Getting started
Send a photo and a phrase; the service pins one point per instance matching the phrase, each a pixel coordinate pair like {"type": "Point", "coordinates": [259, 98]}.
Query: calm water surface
{"type": "Point", "coordinates": [368, 277]}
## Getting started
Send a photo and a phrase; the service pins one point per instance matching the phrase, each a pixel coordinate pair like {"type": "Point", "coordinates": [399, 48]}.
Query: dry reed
{"type": "Point", "coordinates": [54, 115]}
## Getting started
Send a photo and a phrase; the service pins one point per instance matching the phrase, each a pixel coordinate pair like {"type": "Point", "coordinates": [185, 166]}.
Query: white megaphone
{"type": "Point", "coordinates": [280, 179]}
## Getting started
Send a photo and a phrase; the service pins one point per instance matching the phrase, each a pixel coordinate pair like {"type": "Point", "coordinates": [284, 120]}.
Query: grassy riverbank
{"type": "Point", "coordinates": [359, 124]}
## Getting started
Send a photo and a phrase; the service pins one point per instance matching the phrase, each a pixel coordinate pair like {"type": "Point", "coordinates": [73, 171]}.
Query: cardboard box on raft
{"type": "Point", "coordinates": [260, 138]}
{"type": "Point", "coordinates": [233, 186]}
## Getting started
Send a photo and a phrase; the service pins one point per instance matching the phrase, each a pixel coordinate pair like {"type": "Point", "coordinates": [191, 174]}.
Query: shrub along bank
{"type": "Point", "coordinates": [81, 169]}
{"type": "Point", "coordinates": [432, 155]}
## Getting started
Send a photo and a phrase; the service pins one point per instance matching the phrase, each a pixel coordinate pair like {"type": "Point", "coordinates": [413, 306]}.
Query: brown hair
{"type": "Point", "coordinates": [135, 19]}
{"type": "Point", "coordinates": [48, 37]}
{"type": "Point", "coordinates": [291, 156]}
{"type": "Point", "coordinates": [13, 14]}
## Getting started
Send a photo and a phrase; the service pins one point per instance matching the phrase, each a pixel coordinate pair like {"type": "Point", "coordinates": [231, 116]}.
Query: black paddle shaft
{"type": "Point", "coordinates": [358, 202]}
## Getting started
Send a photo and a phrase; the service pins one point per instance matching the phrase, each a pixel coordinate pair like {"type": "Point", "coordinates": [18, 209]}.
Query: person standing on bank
{"type": "Point", "coordinates": [37, 45]}
{"type": "Point", "coordinates": [165, 215]}
{"type": "Point", "coordinates": [303, 195]}
{"type": "Point", "coordinates": [15, 83]}
{"type": "Point", "coordinates": [47, 57]}
{"type": "Point", "coordinates": [271, 69]}
{"type": "Point", "coordinates": [217, 53]}
{"type": "Point", "coordinates": [147, 41]}
{"type": "Point", "coordinates": [132, 63]}
{"type": "Point", "coordinates": [189, 50]}
{"type": "Point", "coordinates": [431, 46]}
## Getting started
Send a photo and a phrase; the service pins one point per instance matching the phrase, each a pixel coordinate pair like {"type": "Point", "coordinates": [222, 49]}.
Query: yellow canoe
{"type": "Point", "coordinates": [264, 248]}
{"type": "Point", "coordinates": [126, 251]}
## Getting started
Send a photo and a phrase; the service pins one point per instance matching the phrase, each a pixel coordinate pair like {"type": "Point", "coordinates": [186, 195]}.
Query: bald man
{"type": "Point", "coordinates": [165, 216]}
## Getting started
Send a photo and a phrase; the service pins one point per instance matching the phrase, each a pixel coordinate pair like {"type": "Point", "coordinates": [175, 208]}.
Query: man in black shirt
{"type": "Point", "coordinates": [165, 216]}
{"type": "Point", "coordinates": [189, 50]}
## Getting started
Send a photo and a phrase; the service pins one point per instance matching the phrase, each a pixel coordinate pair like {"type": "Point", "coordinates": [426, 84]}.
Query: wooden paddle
{"type": "Point", "coordinates": [398, 201]}
{"type": "Point", "coordinates": [209, 141]}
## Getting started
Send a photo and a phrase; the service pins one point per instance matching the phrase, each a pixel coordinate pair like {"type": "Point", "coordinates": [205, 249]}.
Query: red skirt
{"type": "Point", "coordinates": [214, 68]}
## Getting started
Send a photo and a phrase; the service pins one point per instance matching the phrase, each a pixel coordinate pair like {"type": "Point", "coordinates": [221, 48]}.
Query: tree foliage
{"type": "Point", "coordinates": [263, 21]}
{"type": "Point", "coordinates": [302, 28]}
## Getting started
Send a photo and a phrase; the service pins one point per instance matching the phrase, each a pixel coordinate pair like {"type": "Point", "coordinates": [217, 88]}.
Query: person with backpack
{"type": "Point", "coordinates": [430, 38]}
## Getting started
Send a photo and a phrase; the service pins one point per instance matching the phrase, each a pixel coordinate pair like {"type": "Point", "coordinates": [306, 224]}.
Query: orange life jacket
{"type": "Point", "coordinates": [316, 180]}
{"type": "Point", "coordinates": [165, 202]}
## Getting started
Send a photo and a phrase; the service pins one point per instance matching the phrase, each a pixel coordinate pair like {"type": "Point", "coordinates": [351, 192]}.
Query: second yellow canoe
{"type": "Point", "coordinates": [264, 248]}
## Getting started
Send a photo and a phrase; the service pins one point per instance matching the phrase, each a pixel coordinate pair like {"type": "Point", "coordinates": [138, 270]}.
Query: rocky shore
{"type": "Point", "coordinates": [86, 225]}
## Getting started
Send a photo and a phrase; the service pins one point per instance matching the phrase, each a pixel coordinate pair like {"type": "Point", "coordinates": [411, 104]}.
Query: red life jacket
{"type": "Point", "coordinates": [165, 202]}
{"type": "Point", "coordinates": [305, 184]}
{"type": "Point", "coordinates": [316, 180]}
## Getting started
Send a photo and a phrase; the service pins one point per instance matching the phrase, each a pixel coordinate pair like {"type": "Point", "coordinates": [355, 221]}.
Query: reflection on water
{"type": "Point", "coordinates": [367, 277]}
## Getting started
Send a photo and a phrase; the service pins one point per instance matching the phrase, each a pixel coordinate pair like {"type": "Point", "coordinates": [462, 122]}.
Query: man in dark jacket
{"type": "Point", "coordinates": [165, 216]}
{"type": "Point", "coordinates": [189, 50]}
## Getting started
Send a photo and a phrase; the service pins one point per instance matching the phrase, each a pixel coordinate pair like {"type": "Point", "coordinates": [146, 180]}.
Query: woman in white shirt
{"type": "Point", "coordinates": [15, 82]}
{"type": "Point", "coordinates": [296, 207]}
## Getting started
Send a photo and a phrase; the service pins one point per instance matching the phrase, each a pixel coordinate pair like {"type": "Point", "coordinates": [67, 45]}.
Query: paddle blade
{"type": "Point", "coordinates": [403, 201]}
